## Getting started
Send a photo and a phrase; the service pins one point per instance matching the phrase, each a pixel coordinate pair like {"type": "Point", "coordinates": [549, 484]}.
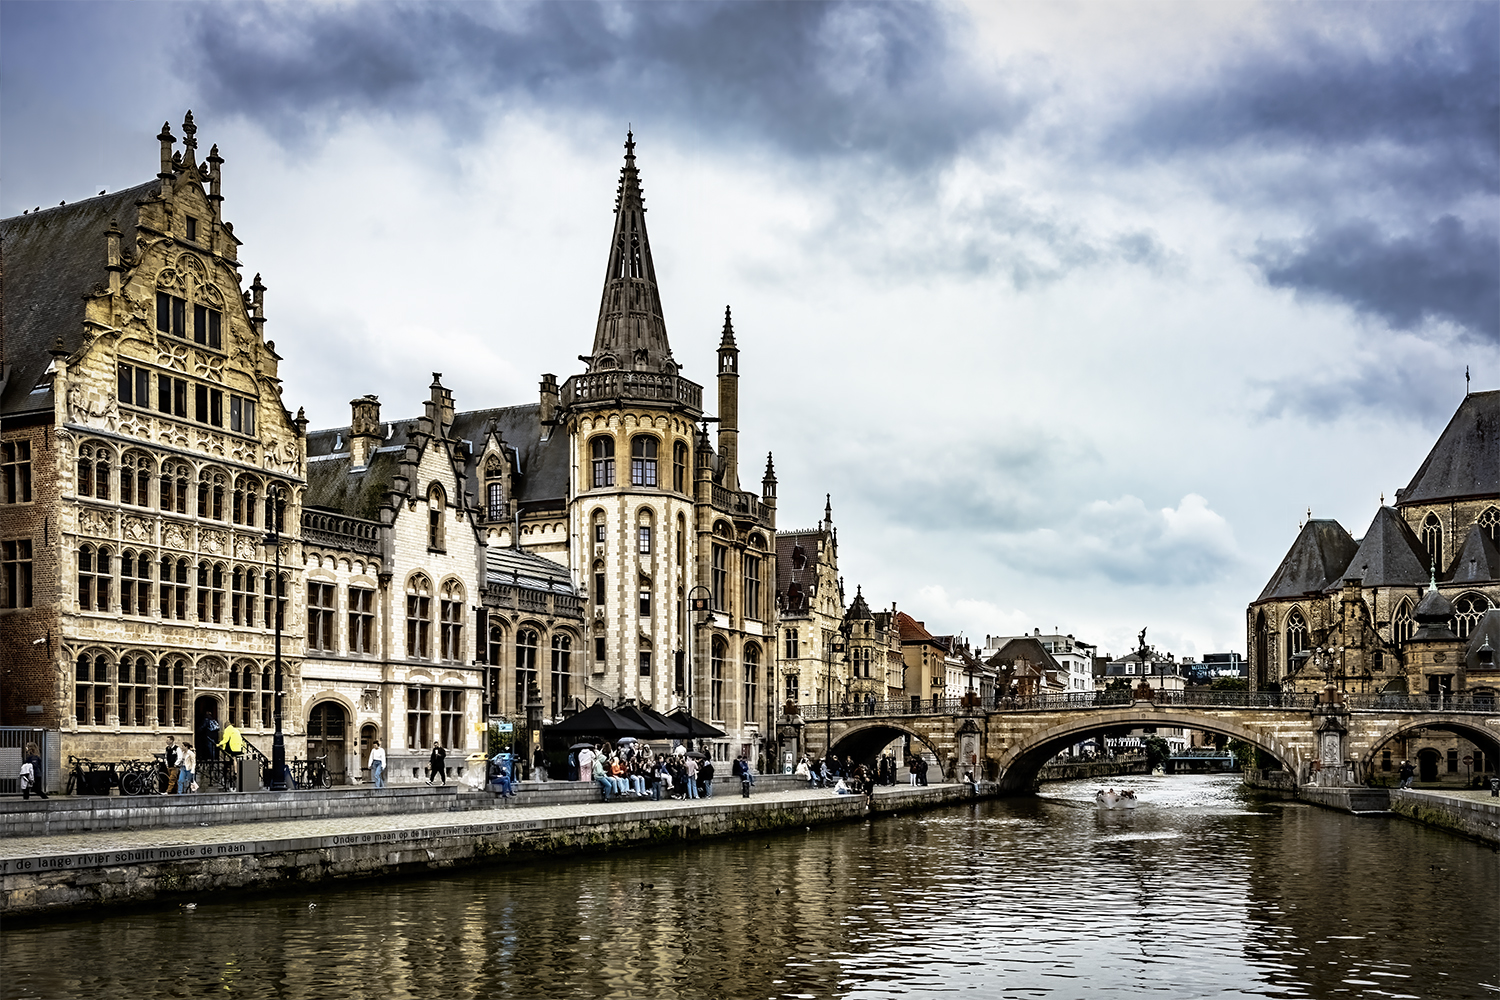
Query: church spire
{"type": "Point", "coordinates": [631, 333]}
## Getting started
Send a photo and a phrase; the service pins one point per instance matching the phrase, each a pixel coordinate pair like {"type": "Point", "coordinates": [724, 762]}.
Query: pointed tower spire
{"type": "Point", "coordinates": [631, 333]}
{"type": "Point", "coordinates": [828, 508]}
{"type": "Point", "coordinates": [729, 407]}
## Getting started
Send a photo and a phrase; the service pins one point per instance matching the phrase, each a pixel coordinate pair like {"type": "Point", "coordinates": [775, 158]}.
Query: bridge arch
{"type": "Point", "coordinates": [1472, 730]}
{"type": "Point", "coordinates": [1021, 763]}
{"type": "Point", "coordinates": [862, 742]}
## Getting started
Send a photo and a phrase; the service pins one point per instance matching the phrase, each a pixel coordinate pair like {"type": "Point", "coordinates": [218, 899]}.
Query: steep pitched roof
{"type": "Point", "coordinates": [542, 482]}
{"type": "Point", "coordinates": [519, 568]}
{"type": "Point", "coordinates": [631, 331]}
{"type": "Point", "coordinates": [1465, 462]}
{"type": "Point", "coordinates": [1478, 561]}
{"type": "Point", "coordinates": [798, 557]}
{"type": "Point", "coordinates": [913, 631]}
{"type": "Point", "coordinates": [1024, 649]}
{"type": "Point", "coordinates": [1317, 558]}
{"type": "Point", "coordinates": [53, 260]}
{"type": "Point", "coordinates": [1390, 555]}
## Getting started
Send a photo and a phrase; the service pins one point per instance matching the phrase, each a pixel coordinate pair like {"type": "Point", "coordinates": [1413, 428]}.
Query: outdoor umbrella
{"type": "Point", "coordinates": [696, 728]}
{"type": "Point", "coordinates": [656, 730]}
{"type": "Point", "coordinates": [674, 729]}
{"type": "Point", "coordinates": [596, 720]}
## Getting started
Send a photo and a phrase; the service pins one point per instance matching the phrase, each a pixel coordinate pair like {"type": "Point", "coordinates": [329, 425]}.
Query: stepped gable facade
{"type": "Point", "coordinates": [1345, 612]}
{"type": "Point", "coordinates": [144, 454]}
{"type": "Point", "coordinates": [810, 607]}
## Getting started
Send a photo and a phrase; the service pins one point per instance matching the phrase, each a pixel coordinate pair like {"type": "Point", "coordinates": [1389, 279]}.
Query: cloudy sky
{"type": "Point", "coordinates": [1075, 309]}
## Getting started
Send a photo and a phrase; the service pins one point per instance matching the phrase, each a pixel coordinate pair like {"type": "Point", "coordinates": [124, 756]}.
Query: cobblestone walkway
{"type": "Point", "coordinates": [274, 830]}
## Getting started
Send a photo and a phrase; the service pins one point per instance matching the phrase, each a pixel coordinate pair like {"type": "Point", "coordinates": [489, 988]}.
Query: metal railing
{"type": "Point", "coordinates": [622, 384]}
{"type": "Point", "coordinates": [1370, 701]}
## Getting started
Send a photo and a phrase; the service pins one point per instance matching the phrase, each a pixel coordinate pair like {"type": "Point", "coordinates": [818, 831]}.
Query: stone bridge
{"type": "Point", "coordinates": [1339, 742]}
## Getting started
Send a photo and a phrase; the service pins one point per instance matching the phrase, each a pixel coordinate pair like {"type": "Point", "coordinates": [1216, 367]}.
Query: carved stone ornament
{"type": "Point", "coordinates": [135, 425]}
{"type": "Point", "coordinates": [244, 547]}
{"type": "Point", "coordinates": [209, 367]}
{"type": "Point", "coordinates": [175, 536]}
{"type": "Point", "coordinates": [172, 356]}
{"type": "Point", "coordinates": [137, 529]}
{"type": "Point", "coordinates": [245, 452]}
{"type": "Point", "coordinates": [92, 412]}
{"type": "Point", "coordinates": [213, 444]}
{"type": "Point", "coordinates": [213, 542]}
{"type": "Point", "coordinates": [172, 434]}
{"type": "Point", "coordinates": [93, 522]}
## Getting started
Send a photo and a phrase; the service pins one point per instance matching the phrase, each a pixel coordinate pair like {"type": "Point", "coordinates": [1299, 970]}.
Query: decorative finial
{"type": "Point", "coordinates": [1466, 381]}
{"type": "Point", "coordinates": [1382, 498]}
{"type": "Point", "coordinates": [189, 131]}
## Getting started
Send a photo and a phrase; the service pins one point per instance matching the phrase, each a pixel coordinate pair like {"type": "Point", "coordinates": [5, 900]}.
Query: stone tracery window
{"type": "Point", "coordinates": [1403, 626]}
{"type": "Point", "coordinates": [1467, 610]}
{"type": "Point", "coordinates": [1296, 639]}
{"type": "Point", "coordinates": [1489, 523]}
{"type": "Point", "coordinates": [527, 642]}
{"type": "Point", "coordinates": [436, 506]}
{"type": "Point", "coordinates": [451, 620]}
{"type": "Point", "coordinates": [136, 470]}
{"type": "Point", "coordinates": [1432, 541]}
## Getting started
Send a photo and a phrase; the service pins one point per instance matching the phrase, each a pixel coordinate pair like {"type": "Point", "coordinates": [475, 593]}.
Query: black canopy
{"type": "Point", "coordinates": [596, 720]}
{"type": "Point", "coordinates": [696, 728]}
{"type": "Point", "coordinates": [654, 724]}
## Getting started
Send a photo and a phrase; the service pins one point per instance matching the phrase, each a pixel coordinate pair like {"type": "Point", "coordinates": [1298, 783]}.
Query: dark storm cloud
{"type": "Point", "coordinates": [1422, 384]}
{"type": "Point", "coordinates": [813, 79]}
{"type": "Point", "coordinates": [1449, 272]}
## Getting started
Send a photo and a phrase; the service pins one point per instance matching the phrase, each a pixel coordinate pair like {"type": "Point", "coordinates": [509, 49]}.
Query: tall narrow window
{"type": "Point", "coordinates": [135, 479]}
{"type": "Point", "coordinates": [419, 617]}
{"type": "Point", "coordinates": [644, 540]}
{"type": "Point", "coordinates": [494, 653]}
{"type": "Point", "coordinates": [526, 645]}
{"type": "Point", "coordinates": [679, 467]}
{"type": "Point", "coordinates": [135, 583]}
{"type": "Point", "coordinates": [211, 592]}
{"type": "Point", "coordinates": [602, 452]}
{"type": "Point", "coordinates": [719, 576]}
{"type": "Point", "coordinates": [645, 662]}
{"type": "Point", "coordinates": [1432, 540]}
{"type": "Point", "coordinates": [84, 481]}
{"type": "Point", "coordinates": [436, 506]}
{"type": "Point", "coordinates": [1296, 639]}
{"type": "Point", "coordinates": [791, 644]}
{"type": "Point", "coordinates": [211, 494]}
{"type": "Point", "coordinates": [562, 673]}
{"type": "Point", "coordinates": [361, 620]}
{"type": "Point", "coordinates": [320, 599]}
{"type": "Point", "coordinates": [15, 457]}
{"type": "Point", "coordinates": [451, 621]}
{"type": "Point", "coordinates": [95, 568]}
{"type": "Point", "coordinates": [643, 461]}
{"type": "Point", "coordinates": [752, 682]}
{"type": "Point", "coordinates": [716, 678]}
{"type": "Point", "coordinates": [174, 487]}
{"type": "Point", "coordinates": [598, 587]}
{"type": "Point", "coordinates": [134, 687]}
{"type": "Point", "coordinates": [645, 598]}
{"type": "Point", "coordinates": [792, 685]}
{"type": "Point", "coordinates": [494, 489]}
{"type": "Point", "coordinates": [418, 717]}
{"type": "Point", "coordinates": [752, 587]}
{"type": "Point", "coordinates": [451, 718]}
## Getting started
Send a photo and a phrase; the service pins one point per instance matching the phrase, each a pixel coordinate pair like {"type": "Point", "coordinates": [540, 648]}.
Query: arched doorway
{"type": "Point", "coordinates": [326, 728]}
{"type": "Point", "coordinates": [206, 736]}
{"type": "Point", "coordinates": [1427, 764]}
{"type": "Point", "coordinates": [366, 741]}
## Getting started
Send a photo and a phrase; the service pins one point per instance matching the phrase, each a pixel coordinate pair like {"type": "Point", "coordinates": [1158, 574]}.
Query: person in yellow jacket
{"type": "Point", "coordinates": [232, 742]}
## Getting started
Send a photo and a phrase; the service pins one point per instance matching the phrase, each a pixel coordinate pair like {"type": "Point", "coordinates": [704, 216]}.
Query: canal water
{"type": "Point", "coordinates": [1203, 891]}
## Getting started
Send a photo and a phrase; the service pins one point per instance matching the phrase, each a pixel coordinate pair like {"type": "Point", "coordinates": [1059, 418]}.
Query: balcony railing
{"type": "Point", "coordinates": [507, 597]}
{"type": "Point", "coordinates": [626, 385]}
{"type": "Point", "coordinates": [741, 504]}
{"type": "Point", "coordinates": [336, 531]}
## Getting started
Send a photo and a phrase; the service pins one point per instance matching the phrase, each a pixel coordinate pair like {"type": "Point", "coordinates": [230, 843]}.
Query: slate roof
{"type": "Point", "coordinates": [1486, 630]}
{"type": "Point", "coordinates": [1390, 555]}
{"type": "Point", "coordinates": [1023, 648]}
{"type": "Point", "coordinates": [52, 260]}
{"type": "Point", "coordinates": [1317, 558]}
{"type": "Point", "coordinates": [806, 578]}
{"type": "Point", "coordinates": [515, 567]}
{"type": "Point", "coordinates": [1465, 462]}
{"type": "Point", "coordinates": [1478, 561]}
{"type": "Point", "coordinates": [542, 482]}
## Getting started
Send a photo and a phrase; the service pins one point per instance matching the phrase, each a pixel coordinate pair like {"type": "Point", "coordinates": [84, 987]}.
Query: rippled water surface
{"type": "Point", "coordinates": [1200, 892]}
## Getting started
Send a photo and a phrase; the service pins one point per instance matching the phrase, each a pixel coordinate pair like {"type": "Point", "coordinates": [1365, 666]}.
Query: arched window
{"type": "Point", "coordinates": [451, 620]}
{"type": "Point", "coordinates": [1489, 523]}
{"type": "Point", "coordinates": [211, 494]}
{"type": "Point", "coordinates": [94, 571]}
{"type": "Point", "coordinates": [494, 658]}
{"type": "Point", "coordinates": [1262, 650]}
{"type": "Point", "coordinates": [1296, 639]}
{"type": "Point", "coordinates": [526, 646]}
{"type": "Point", "coordinates": [681, 541]}
{"type": "Point", "coordinates": [562, 669]}
{"type": "Point", "coordinates": [643, 461]}
{"type": "Point", "coordinates": [643, 533]}
{"type": "Point", "coordinates": [716, 659]}
{"type": "Point", "coordinates": [135, 583]}
{"type": "Point", "coordinates": [791, 644]}
{"type": "Point", "coordinates": [602, 456]}
{"type": "Point", "coordinates": [211, 592]}
{"type": "Point", "coordinates": [598, 586]}
{"type": "Point", "coordinates": [246, 496]}
{"type": "Point", "coordinates": [267, 697]}
{"type": "Point", "coordinates": [85, 479]}
{"type": "Point", "coordinates": [91, 689]}
{"type": "Point", "coordinates": [419, 616]}
{"type": "Point", "coordinates": [135, 479]}
{"type": "Point", "coordinates": [752, 681]}
{"type": "Point", "coordinates": [679, 467]}
{"type": "Point", "coordinates": [239, 680]}
{"type": "Point", "coordinates": [1467, 611]}
{"type": "Point", "coordinates": [134, 687]}
{"type": "Point", "coordinates": [1402, 625]}
{"type": "Point", "coordinates": [171, 693]}
{"type": "Point", "coordinates": [1432, 540]}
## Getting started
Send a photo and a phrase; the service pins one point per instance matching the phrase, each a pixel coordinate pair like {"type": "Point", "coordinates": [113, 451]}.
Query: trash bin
{"type": "Point", "coordinates": [249, 776]}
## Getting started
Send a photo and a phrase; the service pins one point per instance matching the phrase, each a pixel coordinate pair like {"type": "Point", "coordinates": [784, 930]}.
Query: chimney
{"type": "Point", "coordinates": [549, 401]}
{"type": "Point", "coordinates": [112, 251]}
{"type": "Point", "coordinates": [167, 141]}
{"type": "Point", "coordinates": [440, 409]}
{"type": "Point", "coordinates": [215, 197]}
{"type": "Point", "coordinates": [364, 430]}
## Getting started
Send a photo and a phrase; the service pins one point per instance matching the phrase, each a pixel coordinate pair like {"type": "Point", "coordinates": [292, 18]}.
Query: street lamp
{"type": "Point", "coordinates": [696, 604]}
{"type": "Point", "coordinates": [845, 630]}
{"type": "Point", "coordinates": [277, 508]}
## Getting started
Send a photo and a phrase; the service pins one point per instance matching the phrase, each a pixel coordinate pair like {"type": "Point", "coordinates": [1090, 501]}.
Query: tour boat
{"type": "Point", "coordinates": [1128, 799]}
{"type": "Point", "coordinates": [1106, 799]}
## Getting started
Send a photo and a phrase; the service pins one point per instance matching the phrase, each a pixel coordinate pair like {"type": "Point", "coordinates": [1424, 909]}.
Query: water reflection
{"type": "Point", "coordinates": [1200, 892]}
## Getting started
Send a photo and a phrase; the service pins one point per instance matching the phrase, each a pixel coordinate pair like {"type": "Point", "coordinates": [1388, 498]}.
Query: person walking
{"type": "Point", "coordinates": [32, 778]}
{"type": "Point", "coordinates": [187, 768]}
{"type": "Point", "coordinates": [539, 764]}
{"type": "Point", "coordinates": [1407, 773]}
{"type": "Point", "coordinates": [174, 767]}
{"type": "Point", "coordinates": [377, 764]}
{"type": "Point", "coordinates": [435, 768]}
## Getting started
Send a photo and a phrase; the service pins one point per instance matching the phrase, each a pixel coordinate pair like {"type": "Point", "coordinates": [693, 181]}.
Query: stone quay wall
{"type": "Point", "coordinates": [1477, 818]}
{"type": "Point", "coordinates": [1093, 769]}
{"type": "Point", "coordinates": [55, 884]}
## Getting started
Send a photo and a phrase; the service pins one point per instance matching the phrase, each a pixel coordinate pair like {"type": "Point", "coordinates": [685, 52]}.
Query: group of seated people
{"type": "Point", "coordinates": [833, 770]}
{"type": "Point", "coordinates": [636, 772]}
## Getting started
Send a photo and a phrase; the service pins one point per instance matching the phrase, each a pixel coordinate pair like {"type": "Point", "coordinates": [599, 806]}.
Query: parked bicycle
{"type": "Point", "coordinates": [89, 778]}
{"type": "Point", "coordinates": [311, 773]}
{"type": "Point", "coordinates": [143, 777]}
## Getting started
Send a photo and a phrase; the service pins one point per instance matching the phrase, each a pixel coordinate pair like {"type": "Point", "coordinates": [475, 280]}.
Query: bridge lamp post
{"type": "Point", "coordinates": [845, 630]}
{"type": "Point", "coordinates": [696, 604]}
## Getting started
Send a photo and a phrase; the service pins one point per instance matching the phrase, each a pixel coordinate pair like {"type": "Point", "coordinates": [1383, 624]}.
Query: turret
{"type": "Point", "coordinates": [215, 196]}
{"type": "Point", "coordinates": [729, 407]}
{"type": "Point", "coordinates": [768, 483]}
{"type": "Point", "coordinates": [548, 414]}
{"type": "Point", "coordinates": [167, 141]}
